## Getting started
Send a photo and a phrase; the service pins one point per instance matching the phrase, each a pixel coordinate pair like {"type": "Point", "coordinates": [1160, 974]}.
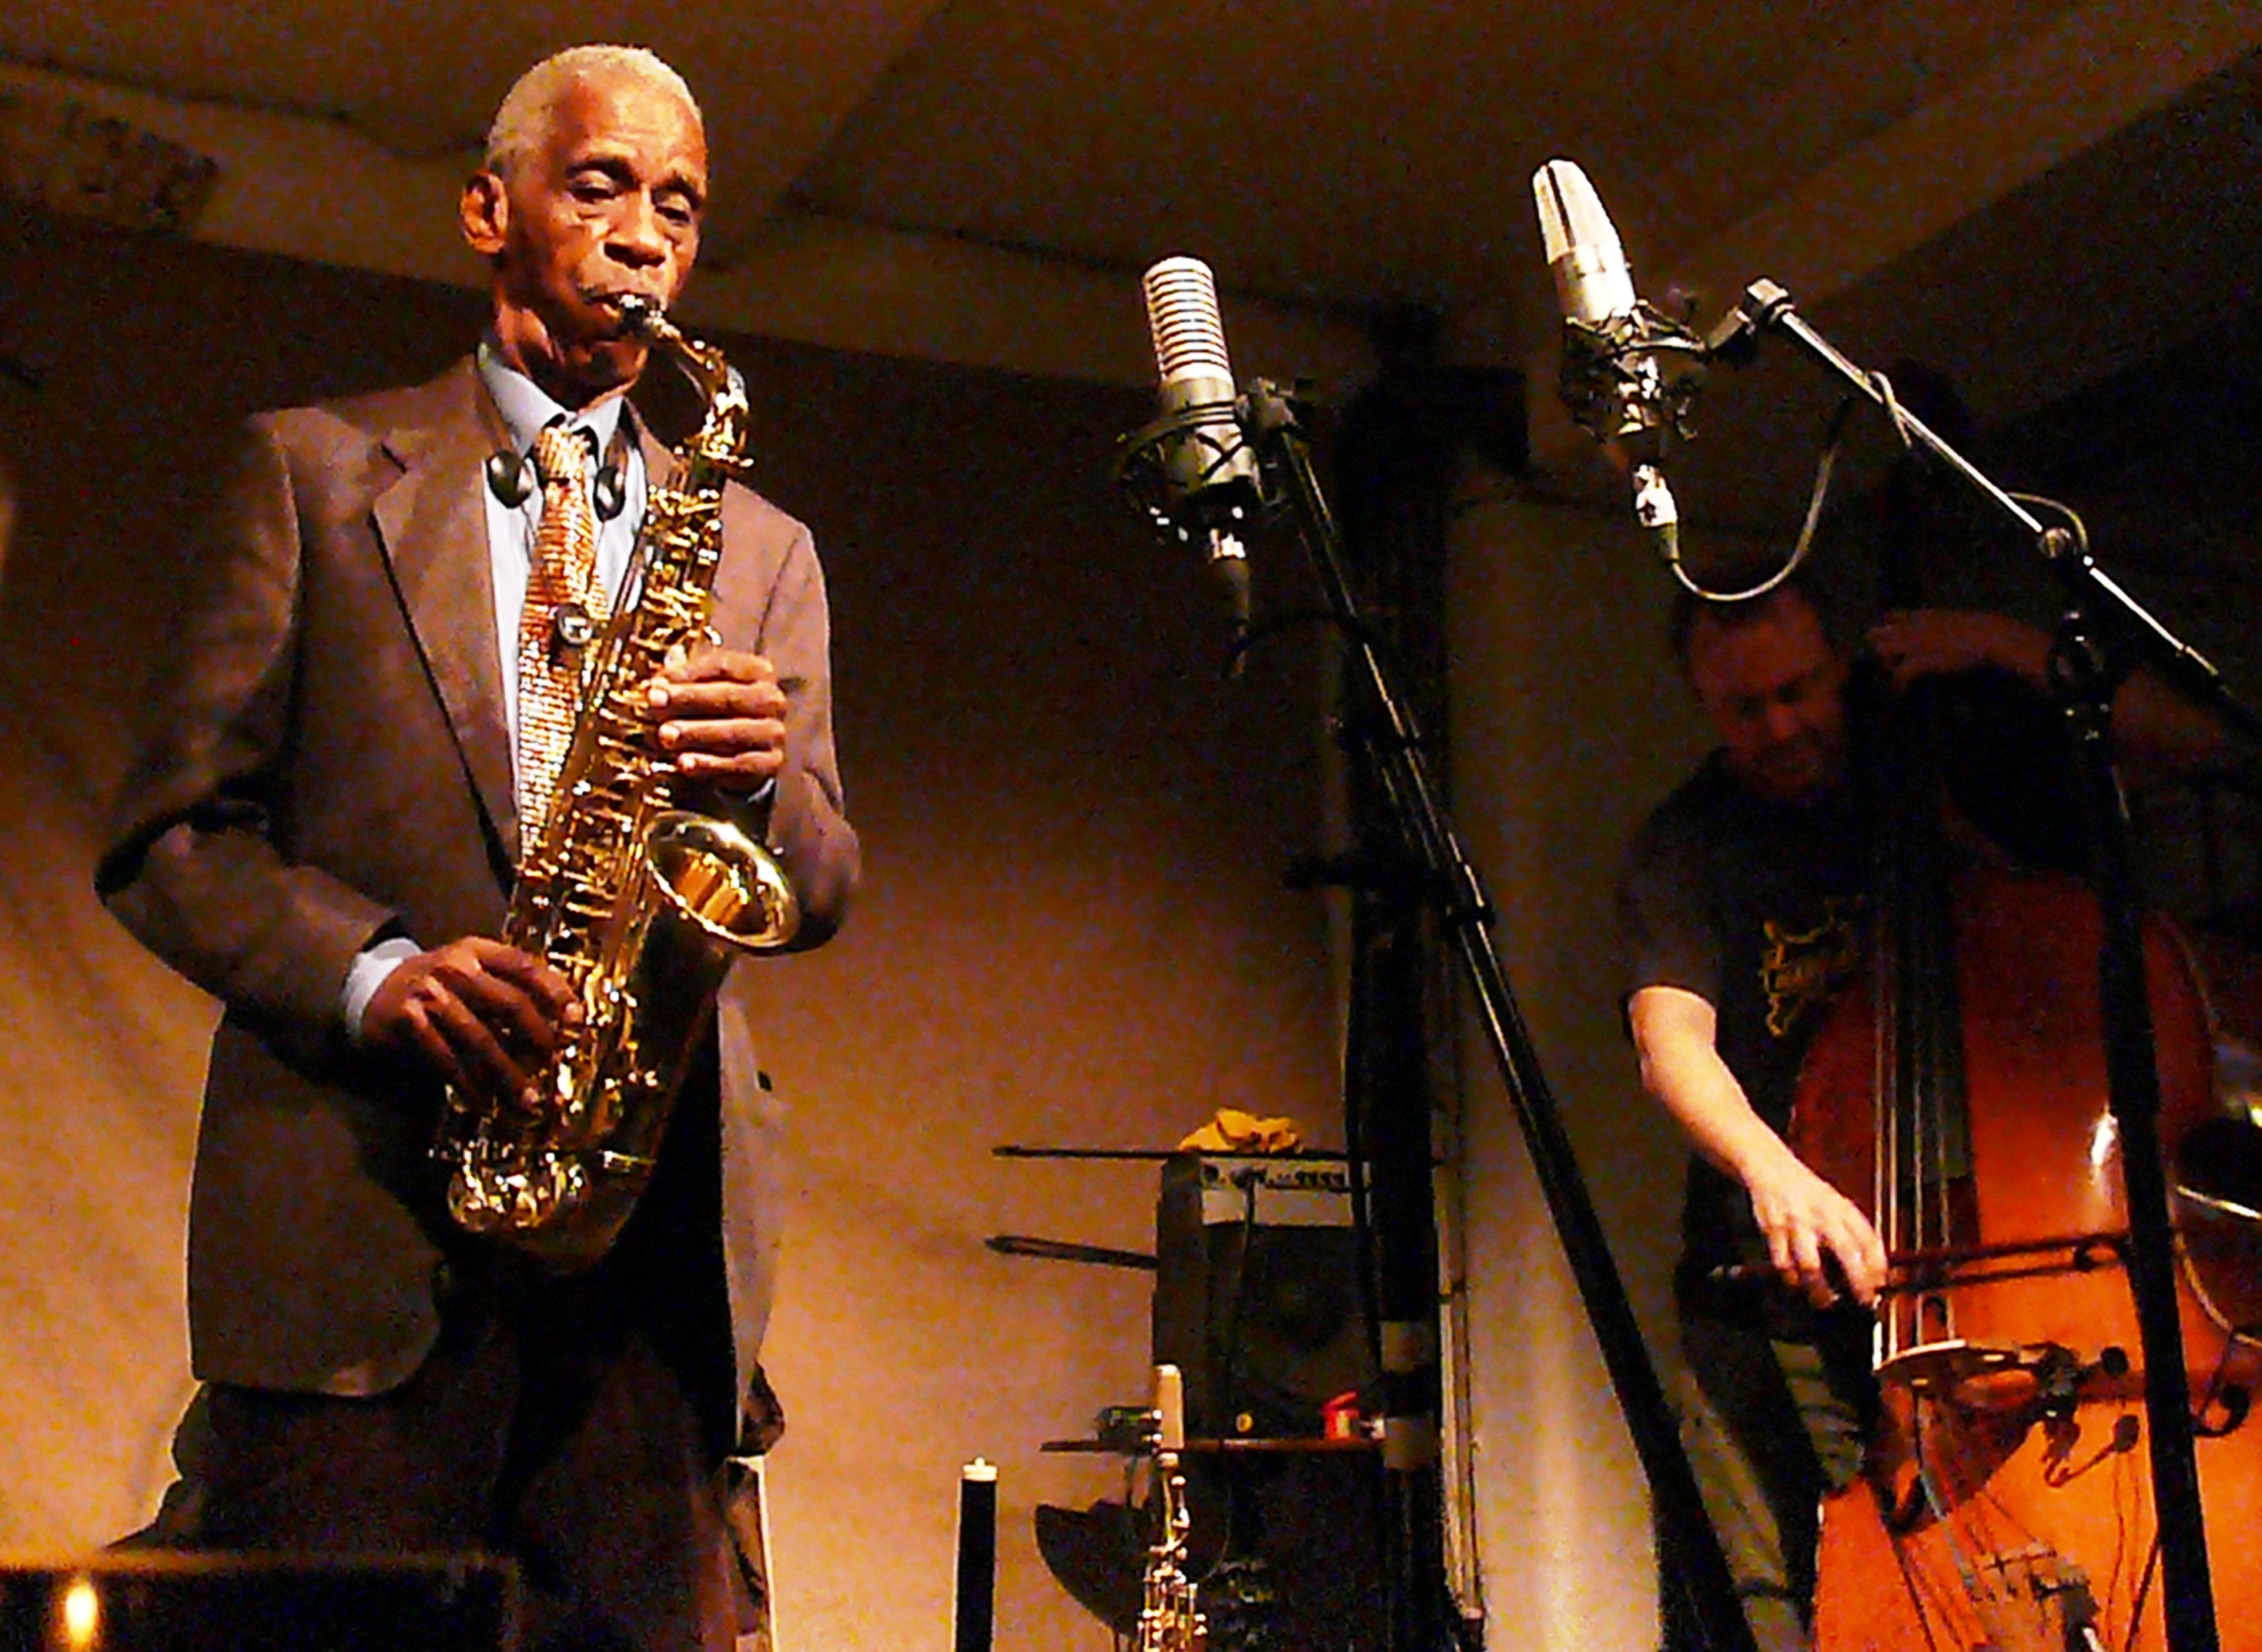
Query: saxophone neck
{"type": "Point", "coordinates": [702, 364]}
{"type": "Point", "coordinates": [721, 441]}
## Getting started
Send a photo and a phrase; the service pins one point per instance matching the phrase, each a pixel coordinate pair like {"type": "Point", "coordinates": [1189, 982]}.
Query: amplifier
{"type": "Point", "coordinates": [1257, 1290]}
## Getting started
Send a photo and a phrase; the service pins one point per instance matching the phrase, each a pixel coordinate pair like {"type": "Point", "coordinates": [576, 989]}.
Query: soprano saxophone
{"type": "Point", "coordinates": [639, 901]}
{"type": "Point", "coordinates": [1169, 1615]}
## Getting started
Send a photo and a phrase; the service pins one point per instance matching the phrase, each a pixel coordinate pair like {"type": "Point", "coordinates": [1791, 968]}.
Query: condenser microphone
{"type": "Point", "coordinates": [1584, 255]}
{"type": "Point", "coordinates": [1611, 379]}
{"type": "Point", "coordinates": [1208, 480]}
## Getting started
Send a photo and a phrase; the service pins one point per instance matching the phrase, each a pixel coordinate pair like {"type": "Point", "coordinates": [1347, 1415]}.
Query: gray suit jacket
{"type": "Point", "coordinates": [327, 759]}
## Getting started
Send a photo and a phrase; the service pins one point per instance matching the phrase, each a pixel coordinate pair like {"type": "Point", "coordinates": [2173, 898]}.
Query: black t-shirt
{"type": "Point", "coordinates": [1762, 908]}
{"type": "Point", "coordinates": [1759, 909]}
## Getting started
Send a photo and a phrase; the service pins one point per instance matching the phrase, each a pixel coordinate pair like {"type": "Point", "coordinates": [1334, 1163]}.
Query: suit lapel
{"type": "Point", "coordinates": [433, 524]}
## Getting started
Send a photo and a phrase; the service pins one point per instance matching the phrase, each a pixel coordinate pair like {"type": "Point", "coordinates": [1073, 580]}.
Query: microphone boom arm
{"type": "Point", "coordinates": [2088, 589]}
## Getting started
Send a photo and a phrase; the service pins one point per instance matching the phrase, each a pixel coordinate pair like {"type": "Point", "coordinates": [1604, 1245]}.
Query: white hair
{"type": "Point", "coordinates": [523, 119]}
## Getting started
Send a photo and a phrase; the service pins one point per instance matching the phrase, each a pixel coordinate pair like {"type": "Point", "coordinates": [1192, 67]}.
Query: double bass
{"type": "Point", "coordinates": [2005, 1500]}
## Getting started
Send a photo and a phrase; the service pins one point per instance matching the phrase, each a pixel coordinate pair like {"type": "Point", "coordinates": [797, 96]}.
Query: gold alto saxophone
{"type": "Point", "coordinates": [1169, 1617]}
{"type": "Point", "coordinates": [639, 903]}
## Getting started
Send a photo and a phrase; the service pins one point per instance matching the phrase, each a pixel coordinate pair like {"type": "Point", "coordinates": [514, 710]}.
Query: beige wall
{"type": "Point", "coordinates": [1072, 933]}
{"type": "Point", "coordinates": [1569, 724]}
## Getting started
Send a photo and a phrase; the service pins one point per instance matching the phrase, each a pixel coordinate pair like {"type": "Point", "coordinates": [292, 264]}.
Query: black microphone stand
{"type": "Point", "coordinates": [1697, 1572]}
{"type": "Point", "coordinates": [2085, 686]}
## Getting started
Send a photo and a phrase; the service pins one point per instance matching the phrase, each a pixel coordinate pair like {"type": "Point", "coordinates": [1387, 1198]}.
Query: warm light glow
{"type": "Point", "coordinates": [2102, 1141]}
{"type": "Point", "coordinates": [82, 1614]}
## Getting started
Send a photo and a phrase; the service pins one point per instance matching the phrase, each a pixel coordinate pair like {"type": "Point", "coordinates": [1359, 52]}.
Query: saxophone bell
{"type": "Point", "coordinates": [723, 881]}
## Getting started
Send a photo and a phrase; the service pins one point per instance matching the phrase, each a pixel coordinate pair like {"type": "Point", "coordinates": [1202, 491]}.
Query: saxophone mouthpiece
{"type": "Point", "coordinates": [640, 315]}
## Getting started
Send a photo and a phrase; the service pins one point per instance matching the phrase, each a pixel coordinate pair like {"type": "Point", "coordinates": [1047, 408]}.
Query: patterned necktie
{"type": "Point", "coordinates": [561, 583]}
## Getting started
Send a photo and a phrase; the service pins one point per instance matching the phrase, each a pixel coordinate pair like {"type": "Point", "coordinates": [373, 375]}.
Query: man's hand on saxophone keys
{"type": "Point", "coordinates": [483, 1015]}
{"type": "Point", "coordinates": [720, 714]}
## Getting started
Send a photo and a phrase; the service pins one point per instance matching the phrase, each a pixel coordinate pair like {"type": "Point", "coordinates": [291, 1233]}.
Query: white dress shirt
{"type": "Point", "coordinates": [526, 412]}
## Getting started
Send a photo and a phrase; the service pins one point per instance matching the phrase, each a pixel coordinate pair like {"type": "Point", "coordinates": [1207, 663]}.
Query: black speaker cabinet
{"type": "Point", "coordinates": [145, 1601]}
{"type": "Point", "coordinates": [1257, 1302]}
{"type": "Point", "coordinates": [1257, 1291]}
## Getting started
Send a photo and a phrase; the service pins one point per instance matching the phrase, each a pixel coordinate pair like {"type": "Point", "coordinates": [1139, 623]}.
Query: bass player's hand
{"type": "Point", "coordinates": [1818, 1239]}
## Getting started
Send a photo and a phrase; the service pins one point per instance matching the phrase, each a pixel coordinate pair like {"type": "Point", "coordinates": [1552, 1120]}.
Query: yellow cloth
{"type": "Point", "coordinates": [1234, 1131]}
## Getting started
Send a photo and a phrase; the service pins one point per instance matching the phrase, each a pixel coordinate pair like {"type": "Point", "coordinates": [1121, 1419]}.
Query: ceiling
{"type": "Point", "coordinates": [983, 179]}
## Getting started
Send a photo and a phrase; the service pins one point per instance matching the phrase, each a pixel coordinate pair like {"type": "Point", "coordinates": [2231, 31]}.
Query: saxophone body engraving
{"type": "Point", "coordinates": [639, 901]}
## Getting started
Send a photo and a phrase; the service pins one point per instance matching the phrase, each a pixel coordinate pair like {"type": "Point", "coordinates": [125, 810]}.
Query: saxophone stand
{"type": "Point", "coordinates": [2085, 684]}
{"type": "Point", "coordinates": [1390, 748]}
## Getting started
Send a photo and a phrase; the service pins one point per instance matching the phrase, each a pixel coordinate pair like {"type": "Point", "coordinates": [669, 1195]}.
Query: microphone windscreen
{"type": "Point", "coordinates": [1206, 460]}
{"type": "Point", "coordinates": [1183, 315]}
{"type": "Point", "coordinates": [1592, 281]}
